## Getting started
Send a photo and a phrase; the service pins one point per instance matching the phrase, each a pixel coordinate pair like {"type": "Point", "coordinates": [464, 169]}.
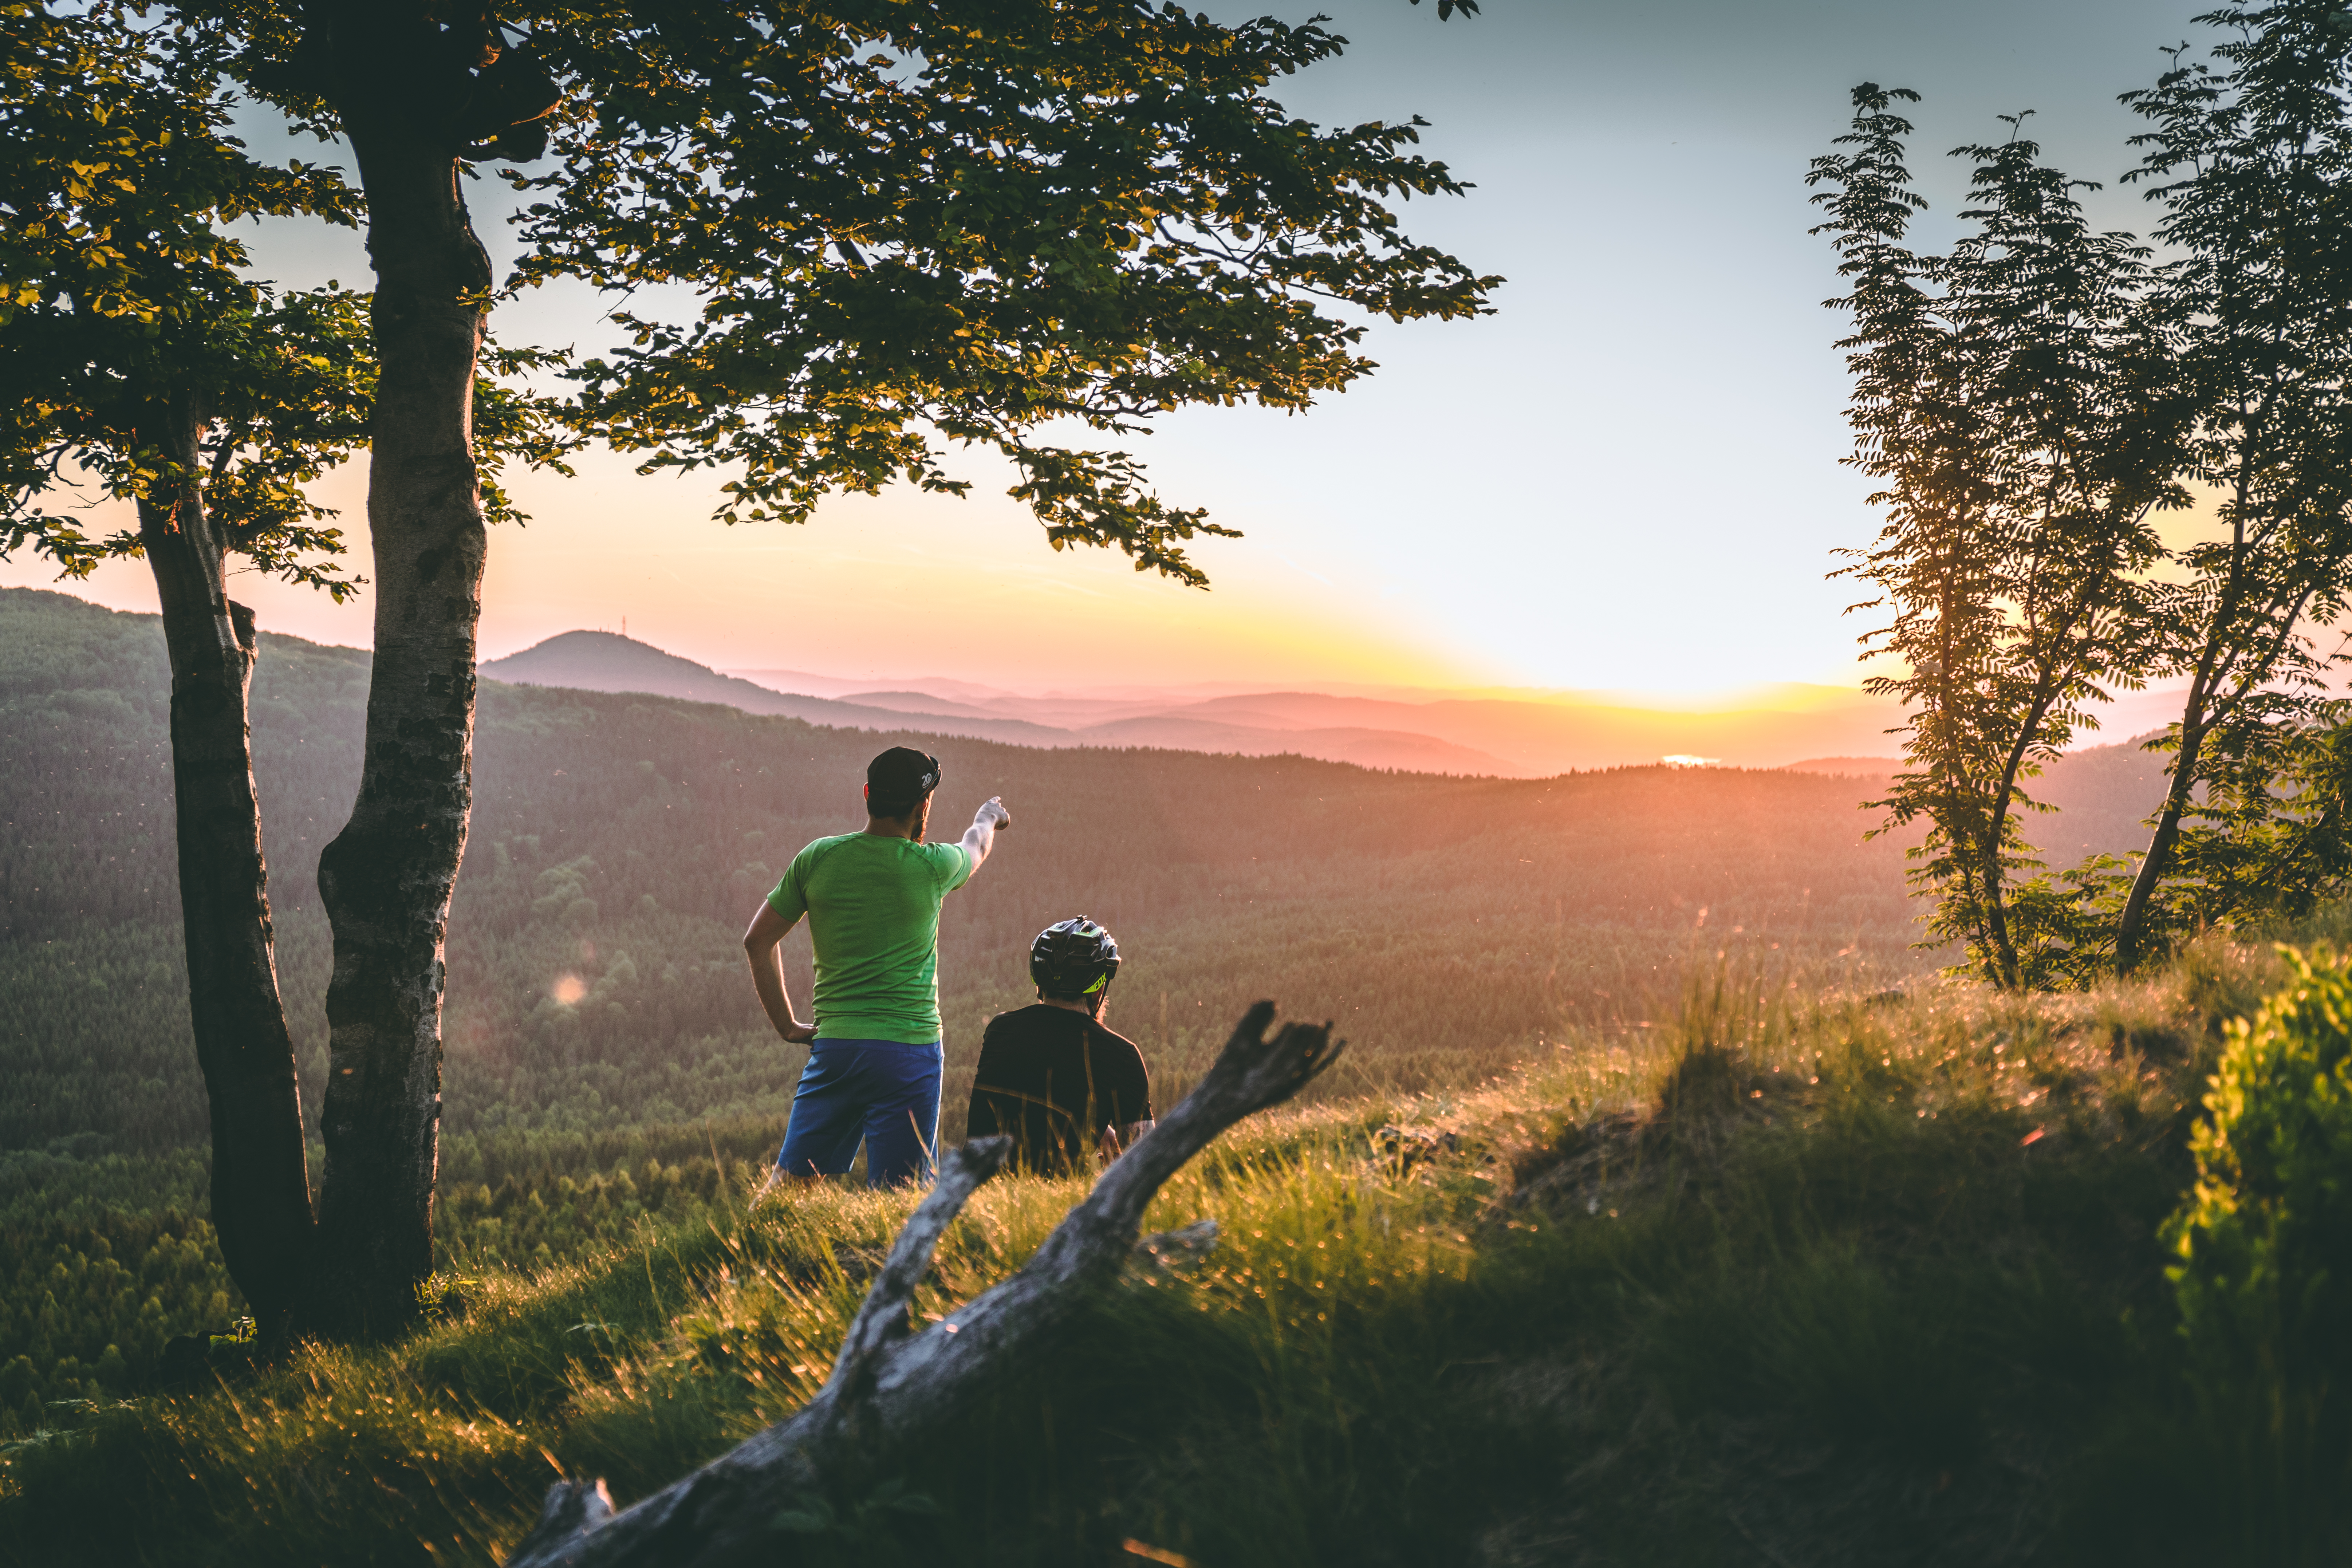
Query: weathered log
{"type": "Point", "coordinates": [889, 1390]}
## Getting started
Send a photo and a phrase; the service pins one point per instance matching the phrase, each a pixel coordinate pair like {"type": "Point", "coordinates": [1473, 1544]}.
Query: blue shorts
{"type": "Point", "coordinates": [881, 1090]}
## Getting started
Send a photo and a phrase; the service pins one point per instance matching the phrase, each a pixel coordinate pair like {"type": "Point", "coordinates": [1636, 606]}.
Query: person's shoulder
{"type": "Point", "coordinates": [816, 848]}
{"type": "Point", "coordinates": [1105, 1038]}
{"type": "Point", "coordinates": [1021, 1031]}
{"type": "Point", "coordinates": [945, 859]}
{"type": "Point", "coordinates": [1030, 1020]}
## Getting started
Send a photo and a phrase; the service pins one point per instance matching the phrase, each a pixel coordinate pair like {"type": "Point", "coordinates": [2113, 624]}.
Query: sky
{"type": "Point", "coordinates": [1628, 478]}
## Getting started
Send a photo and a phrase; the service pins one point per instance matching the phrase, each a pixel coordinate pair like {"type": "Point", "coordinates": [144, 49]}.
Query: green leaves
{"type": "Point", "coordinates": [935, 221]}
{"type": "Point", "coordinates": [124, 292]}
{"type": "Point", "coordinates": [2030, 400]}
{"type": "Point", "coordinates": [1999, 402]}
{"type": "Point", "coordinates": [2264, 1244]}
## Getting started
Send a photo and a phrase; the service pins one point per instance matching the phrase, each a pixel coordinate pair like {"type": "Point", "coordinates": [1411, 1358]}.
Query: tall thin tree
{"type": "Point", "coordinates": [140, 360]}
{"type": "Point", "coordinates": [2252, 162]}
{"type": "Point", "coordinates": [1999, 398]}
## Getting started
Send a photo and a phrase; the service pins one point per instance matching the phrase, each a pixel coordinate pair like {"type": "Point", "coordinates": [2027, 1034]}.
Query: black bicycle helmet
{"type": "Point", "coordinates": [1071, 960]}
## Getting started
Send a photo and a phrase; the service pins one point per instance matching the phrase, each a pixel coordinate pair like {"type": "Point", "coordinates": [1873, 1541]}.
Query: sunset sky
{"type": "Point", "coordinates": [1627, 479]}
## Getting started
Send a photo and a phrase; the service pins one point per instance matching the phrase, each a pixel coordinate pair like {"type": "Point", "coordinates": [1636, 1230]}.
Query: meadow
{"type": "Point", "coordinates": [1795, 1276]}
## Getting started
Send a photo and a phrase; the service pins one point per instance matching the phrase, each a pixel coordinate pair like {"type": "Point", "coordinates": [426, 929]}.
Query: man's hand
{"type": "Point", "coordinates": [986, 823]}
{"type": "Point", "coordinates": [797, 1033]}
{"type": "Point", "coordinates": [1113, 1142]}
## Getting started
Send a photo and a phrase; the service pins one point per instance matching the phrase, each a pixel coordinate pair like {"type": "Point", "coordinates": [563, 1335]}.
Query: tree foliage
{"type": "Point", "coordinates": [2251, 160]}
{"type": "Point", "coordinates": [2031, 400]}
{"type": "Point", "coordinates": [2000, 400]}
{"type": "Point", "coordinates": [907, 226]}
{"type": "Point", "coordinates": [121, 289]}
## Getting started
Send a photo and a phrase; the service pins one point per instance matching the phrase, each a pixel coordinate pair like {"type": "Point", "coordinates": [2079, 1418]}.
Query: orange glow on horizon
{"type": "Point", "coordinates": [903, 587]}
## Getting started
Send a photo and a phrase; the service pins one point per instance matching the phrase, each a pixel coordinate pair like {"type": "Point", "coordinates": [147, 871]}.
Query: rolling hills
{"type": "Point", "coordinates": [602, 661]}
{"type": "Point", "coordinates": [603, 1043]}
{"type": "Point", "coordinates": [620, 842]}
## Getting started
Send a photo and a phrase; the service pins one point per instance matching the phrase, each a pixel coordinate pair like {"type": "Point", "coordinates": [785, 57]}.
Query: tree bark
{"type": "Point", "coordinates": [2131, 926]}
{"type": "Point", "coordinates": [386, 879]}
{"type": "Point", "coordinates": [889, 1392]}
{"type": "Point", "coordinates": [261, 1183]}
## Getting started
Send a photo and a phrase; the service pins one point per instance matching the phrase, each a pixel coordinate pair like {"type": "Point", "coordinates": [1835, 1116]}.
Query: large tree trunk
{"type": "Point", "coordinates": [890, 1393]}
{"type": "Point", "coordinates": [261, 1183]}
{"type": "Point", "coordinates": [387, 876]}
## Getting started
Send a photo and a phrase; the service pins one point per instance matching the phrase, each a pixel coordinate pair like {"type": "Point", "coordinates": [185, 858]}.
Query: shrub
{"type": "Point", "coordinates": [2265, 1271]}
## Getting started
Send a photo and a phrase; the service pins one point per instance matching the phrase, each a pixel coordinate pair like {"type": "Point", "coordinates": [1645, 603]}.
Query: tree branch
{"type": "Point", "coordinates": [888, 1392]}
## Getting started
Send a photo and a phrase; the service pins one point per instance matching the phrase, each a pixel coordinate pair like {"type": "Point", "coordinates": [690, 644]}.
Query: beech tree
{"type": "Point", "coordinates": [140, 361]}
{"type": "Point", "coordinates": [906, 222]}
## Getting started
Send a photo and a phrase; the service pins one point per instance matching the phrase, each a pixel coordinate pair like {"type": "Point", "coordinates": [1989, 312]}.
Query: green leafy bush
{"type": "Point", "coordinates": [2264, 1270]}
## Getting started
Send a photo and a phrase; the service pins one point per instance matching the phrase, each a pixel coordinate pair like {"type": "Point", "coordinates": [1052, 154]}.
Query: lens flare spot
{"type": "Point", "coordinates": [570, 989]}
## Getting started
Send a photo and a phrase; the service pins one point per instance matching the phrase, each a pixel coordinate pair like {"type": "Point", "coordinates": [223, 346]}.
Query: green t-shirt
{"type": "Point", "coordinates": [872, 905]}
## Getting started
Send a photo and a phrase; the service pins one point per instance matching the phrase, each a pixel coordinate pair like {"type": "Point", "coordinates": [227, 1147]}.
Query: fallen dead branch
{"type": "Point", "coordinates": [889, 1388]}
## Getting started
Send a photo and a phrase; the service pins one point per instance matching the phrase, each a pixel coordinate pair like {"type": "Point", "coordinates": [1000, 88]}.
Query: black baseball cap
{"type": "Point", "coordinates": [901, 776]}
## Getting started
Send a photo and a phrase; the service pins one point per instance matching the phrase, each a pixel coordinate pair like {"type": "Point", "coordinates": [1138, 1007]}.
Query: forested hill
{"type": "Point", "coordinates": [620, 842]}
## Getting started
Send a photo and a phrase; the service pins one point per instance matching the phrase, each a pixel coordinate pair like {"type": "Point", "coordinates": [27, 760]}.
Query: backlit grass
{"type": "Point", "coordinates": [1794, 1274]}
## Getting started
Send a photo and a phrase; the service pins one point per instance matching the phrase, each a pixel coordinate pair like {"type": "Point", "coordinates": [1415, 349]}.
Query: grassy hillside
{"type": "Point", "coordinates": [600, 1026]}
{"type": "Point", "coordinates": [1792, 1278]}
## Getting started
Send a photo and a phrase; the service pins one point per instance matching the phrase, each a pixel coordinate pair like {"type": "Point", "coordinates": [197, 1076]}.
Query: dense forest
{"type": "Point", "coordinates": [604, 1044]}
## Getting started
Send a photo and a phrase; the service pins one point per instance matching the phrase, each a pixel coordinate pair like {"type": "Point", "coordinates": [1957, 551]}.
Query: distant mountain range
{"type": "Point", "coordinates": [1505, 736]}
{"type": "Point", "coordinates": [2106, 791]}
{"type": "Point", "coordinates": [603, 661]}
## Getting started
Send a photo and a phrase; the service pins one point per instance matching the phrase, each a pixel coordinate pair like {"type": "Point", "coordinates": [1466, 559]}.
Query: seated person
{"type": "Point", "coordinates": [1051, 1075]}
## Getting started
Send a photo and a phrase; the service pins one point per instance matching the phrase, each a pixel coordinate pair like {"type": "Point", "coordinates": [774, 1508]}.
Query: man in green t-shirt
{"type": "Point", "coordinates": [873, 904]}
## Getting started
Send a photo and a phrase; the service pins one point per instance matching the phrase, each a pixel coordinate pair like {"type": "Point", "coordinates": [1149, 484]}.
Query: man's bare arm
{"type": "Point", "coordinates": [991, 819]}
{"type": "Point", "coordinates": [760, 945]}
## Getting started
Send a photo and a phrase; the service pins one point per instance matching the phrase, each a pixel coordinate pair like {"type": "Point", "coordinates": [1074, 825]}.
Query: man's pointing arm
{"type": "Point", "coordinates": [991, 819]}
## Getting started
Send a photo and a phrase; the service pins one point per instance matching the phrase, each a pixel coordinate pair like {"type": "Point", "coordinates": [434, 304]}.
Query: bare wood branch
{"type": "Point", "coordinates": [881, 1321]}
{"type": "Point", "coordinates": [888, 1392]}
{"type": "Point", "coordinates": [573, 1509]}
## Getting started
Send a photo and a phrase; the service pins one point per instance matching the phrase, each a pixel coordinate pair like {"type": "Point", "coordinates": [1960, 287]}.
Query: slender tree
{"type": "Point", "coordinates": [135, 355]}
{"type": "Point", "coordinates": [906, 221]}
{"type": "Point", "coordinates": [2251, 160]}
{"type": "Point", "coordinates": [2000, 398]}
{"type": "Point", "coordinates": [140, 361]}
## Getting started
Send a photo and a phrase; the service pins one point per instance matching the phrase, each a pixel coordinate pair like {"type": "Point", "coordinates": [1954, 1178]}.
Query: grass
{"type": "Point", "coordinates": [1795, 1276]}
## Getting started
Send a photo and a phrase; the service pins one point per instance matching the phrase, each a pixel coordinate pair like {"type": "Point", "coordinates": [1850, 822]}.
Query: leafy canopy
{"type": "Point", "coordinates": [2001, 402]}
{"type": "Point", "coordinates": [908, 224]}
{"type": "Point", "coordinates": [122, 294]}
